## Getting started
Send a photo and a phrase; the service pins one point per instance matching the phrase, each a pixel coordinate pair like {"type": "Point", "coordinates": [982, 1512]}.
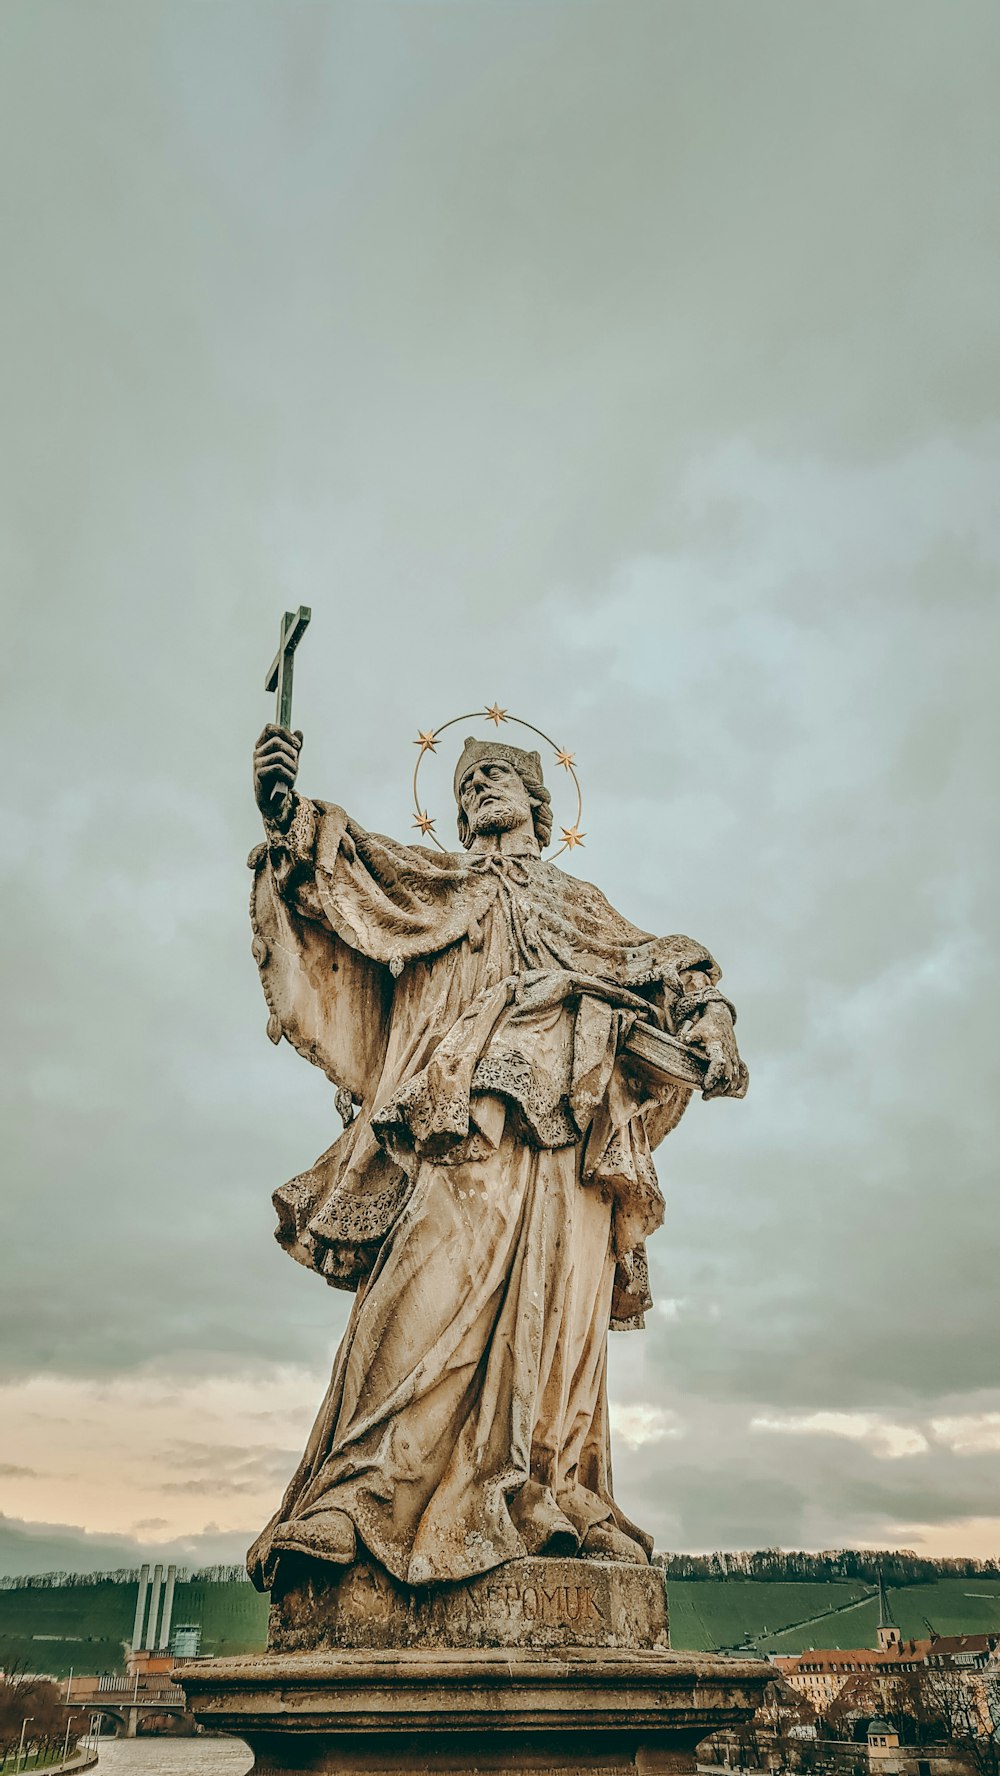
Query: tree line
{"type": "Point", "coordinates": [896, 1566]}
{"type": "Point", "coordinates": [121, 1575]}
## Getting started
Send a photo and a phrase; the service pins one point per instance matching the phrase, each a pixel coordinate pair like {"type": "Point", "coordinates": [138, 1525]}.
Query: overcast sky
{"type": "Point", "coordinates": [634, 365]}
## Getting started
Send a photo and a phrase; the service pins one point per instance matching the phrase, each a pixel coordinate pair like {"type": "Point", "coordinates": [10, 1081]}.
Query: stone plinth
{"type": "Point", "coordinates": [369, 1714]}
{"type": "Point", "coordinates": [541, 1665]}
{"type": "Point", "coordinates": [528, 1604]}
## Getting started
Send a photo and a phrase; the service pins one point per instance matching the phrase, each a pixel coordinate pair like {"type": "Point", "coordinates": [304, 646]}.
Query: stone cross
{"type": "Point", "coordinates": [279, 676]}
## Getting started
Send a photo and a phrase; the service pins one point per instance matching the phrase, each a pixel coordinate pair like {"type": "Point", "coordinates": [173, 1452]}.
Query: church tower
{"type": "Point", "coordinates": [888, 1634]}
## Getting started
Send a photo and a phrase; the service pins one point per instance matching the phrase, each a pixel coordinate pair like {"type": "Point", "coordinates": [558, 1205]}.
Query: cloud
{"type": "Point", "coordinates": [643, 1423]}
{"type": "Point", "coordinates": [208, 1486]}
{"type": "Point", "coordinates": [231, 1460]}
{"type": "Point", "coordinates": [157, 1446]}
{"type": "Point", "coordinates": [31, 1547]}
{"type": "Point", "coordinates": [888, 1441]}
{"type": "Point", "coordinates": [220, 1472]}
{"type": "Point", "coordinates": [973, 1433]}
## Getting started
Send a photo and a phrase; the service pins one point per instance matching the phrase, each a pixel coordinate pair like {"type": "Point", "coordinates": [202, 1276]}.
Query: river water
{"type": "Point", "coordinates": [173, 1757]}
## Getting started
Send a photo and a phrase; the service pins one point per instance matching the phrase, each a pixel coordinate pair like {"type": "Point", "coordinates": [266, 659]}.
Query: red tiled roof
{"type": "Point", "coordinates": [834, 1658]}
{"type": "Point", "coordinates": [949, 1644]}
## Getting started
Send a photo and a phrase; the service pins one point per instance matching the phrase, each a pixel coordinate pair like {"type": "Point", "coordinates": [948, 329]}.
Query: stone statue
{"type": "Point", "coordinates": [453, 1585]}
{"type": "Point", "coordinates": [492, 1190]}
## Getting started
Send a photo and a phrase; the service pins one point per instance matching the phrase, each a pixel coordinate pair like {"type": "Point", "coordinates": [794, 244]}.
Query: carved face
{"type": "Point", "coordinates": [494, 798]}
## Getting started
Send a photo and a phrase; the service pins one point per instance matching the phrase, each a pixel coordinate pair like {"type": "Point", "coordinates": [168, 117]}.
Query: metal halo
{"type": "Point", "coordinates": [427, 742]}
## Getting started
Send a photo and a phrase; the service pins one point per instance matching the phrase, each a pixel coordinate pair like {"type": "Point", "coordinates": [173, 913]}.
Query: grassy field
{"type": "Point", "coordinates": [706, 1614]}
{"type": "Point", "coordinates": [86, 1627]}
{"type": "Point", "coordinates": [950, 1606]}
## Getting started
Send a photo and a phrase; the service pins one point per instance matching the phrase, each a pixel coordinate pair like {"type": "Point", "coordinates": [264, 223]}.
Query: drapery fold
{"type": "Point", "coordinates": [490, 1200]}
{"type": "Point", "coordinates": [418, 981]}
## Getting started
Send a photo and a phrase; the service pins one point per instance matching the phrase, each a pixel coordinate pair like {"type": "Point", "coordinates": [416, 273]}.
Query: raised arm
{"type": "Point", "coordinates": [290, 822]}
{"type": "Point", "coordinates": [327, 996]}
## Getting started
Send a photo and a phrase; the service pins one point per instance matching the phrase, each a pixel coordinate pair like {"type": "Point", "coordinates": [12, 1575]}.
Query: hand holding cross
{"type": "Point", "coordinates": [276, 755]}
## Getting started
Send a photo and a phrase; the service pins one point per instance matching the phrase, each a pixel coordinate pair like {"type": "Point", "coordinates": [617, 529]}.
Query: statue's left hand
{"type": "Point", "coordinates": [725, 1076]}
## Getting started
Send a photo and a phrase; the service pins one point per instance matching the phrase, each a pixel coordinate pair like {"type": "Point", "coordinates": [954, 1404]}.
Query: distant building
{"type": "Point", "coordinates": [822, 1674]}
{"type": "Point", "coordinates": [883, 1742]}
{"type": "Point", "coordinates": [889, 1635]}
{"type": "Point", "coordinates": [975, 1652]}
{"type": "Point", "coordinates": [948, 1681]}
{"type": "Point", "coordinates": [885, 1756]}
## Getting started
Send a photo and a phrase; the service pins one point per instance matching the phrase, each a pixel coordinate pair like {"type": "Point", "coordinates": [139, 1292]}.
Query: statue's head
{"type": "Point", "coordinates": [497, 787]}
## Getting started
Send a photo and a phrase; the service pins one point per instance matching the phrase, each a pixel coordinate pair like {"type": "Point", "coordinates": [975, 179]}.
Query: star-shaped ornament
{"type": "Point", "coordinates": [426, 742]}
{"type": "Point", "coordinates": [567, 759]}
{"type": "Point", "coordinates": [572, 836]}
{"type": "Point", "coordinates": [424, 822]}
{"type": "Point", "coordinates": [496, 714]}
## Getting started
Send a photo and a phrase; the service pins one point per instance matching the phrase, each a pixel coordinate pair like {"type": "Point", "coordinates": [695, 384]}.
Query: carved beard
{"type": "Point", "coordinates": [495, 813]}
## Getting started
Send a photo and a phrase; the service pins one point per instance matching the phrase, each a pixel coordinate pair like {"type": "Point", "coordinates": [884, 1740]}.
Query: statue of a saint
{"type": "Point", "coordinates": [490, 1200]}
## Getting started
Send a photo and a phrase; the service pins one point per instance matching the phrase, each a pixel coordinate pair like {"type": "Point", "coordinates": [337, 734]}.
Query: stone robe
{"type": "Point", "coordinates": [490, 1202]}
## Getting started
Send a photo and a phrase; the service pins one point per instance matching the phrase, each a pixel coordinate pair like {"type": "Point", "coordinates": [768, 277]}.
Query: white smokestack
{"type": "Point", "coordinates": [154, 1607]}
{"type": "Point", "coordinates": [140, 1608]}
{"type": "Point", "coordinates": [168, 1609]}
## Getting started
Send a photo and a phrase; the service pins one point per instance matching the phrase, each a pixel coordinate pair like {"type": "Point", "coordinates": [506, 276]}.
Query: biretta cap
{"type": "Point", "coordinates": [528, 765]}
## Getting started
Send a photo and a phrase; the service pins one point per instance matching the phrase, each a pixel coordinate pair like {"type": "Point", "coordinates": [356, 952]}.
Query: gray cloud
{"type": "Point", "coordinates": [63, 1547]}
{"type": "Point", "coordinates": [212, 1486]}
{"type": "Point", "coordinates": [647, 379]}
{"type": "Point", "coordinates": [222, 1471]}
{"type": "Point", "coordinates": [724, 1484]}
{"type": "Point", "coordinates": [226, 1458]}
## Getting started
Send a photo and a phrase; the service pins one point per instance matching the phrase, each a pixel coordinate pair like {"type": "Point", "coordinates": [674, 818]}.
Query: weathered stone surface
{"type": "Point", "coordinates": [482, 1710]}
{"type": "Point", "coordinates": [507, 1041]}
{"type": "Point", "coordinates": [490, 1204]}
{"type": "Point", "coordinates": [525, 1603]}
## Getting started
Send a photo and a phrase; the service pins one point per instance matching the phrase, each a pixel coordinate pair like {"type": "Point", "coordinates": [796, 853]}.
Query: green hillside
{"type": "Point", "coordinates": [951, 1606]}
{"type": "Point", "coordinates": [86, 1627]}
{"type": "Point", "coordinates": [776, 1617]}
{"type": "Point", "coordinates": [706, 1614]}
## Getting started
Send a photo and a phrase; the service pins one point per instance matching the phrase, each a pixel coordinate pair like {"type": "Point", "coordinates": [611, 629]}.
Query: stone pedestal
{"type": "Point", "coordinates": [542, 1665]}
{"type": "Point", "coordinates": [482, 1710]}
{"type": "Point", "coordinates": [528, 1604]}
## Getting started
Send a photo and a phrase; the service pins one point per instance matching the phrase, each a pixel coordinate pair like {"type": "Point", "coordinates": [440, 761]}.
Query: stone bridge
{"type": "Point", "coordinates": [121, 1701]}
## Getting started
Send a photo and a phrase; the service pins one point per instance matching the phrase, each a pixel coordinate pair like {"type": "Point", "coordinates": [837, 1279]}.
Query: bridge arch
{"type": "Point", "coordinates": [108, 1712]}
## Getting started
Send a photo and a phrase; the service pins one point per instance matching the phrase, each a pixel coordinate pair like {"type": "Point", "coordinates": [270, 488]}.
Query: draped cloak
{"type": "Point", "coordinates": [490, 1200]}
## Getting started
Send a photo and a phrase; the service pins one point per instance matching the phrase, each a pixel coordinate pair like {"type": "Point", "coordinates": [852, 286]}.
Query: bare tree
{"type": "Point", "coordinates": [968, 1705]}
{"type": "Point", "coordinates": [33, 1698]}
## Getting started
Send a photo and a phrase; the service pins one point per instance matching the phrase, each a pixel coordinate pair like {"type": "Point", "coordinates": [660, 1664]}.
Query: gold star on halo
{"type": "Point", "coordinates": [572, 836]}
{"type": "Point", "coordinates": [424, 822]}
{"type": "Point", "coordinates": [567, 759]}
{"type": "Point", "coordinates": [426, 742]}
{"type": "Point", "coordinates": [496, 714]}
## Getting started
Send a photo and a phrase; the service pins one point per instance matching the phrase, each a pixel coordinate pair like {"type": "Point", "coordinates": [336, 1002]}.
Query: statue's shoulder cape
{"type": "Point", "coordinates": [338, 915]}
{"type": "Point", "coordinates": [396, 903]}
